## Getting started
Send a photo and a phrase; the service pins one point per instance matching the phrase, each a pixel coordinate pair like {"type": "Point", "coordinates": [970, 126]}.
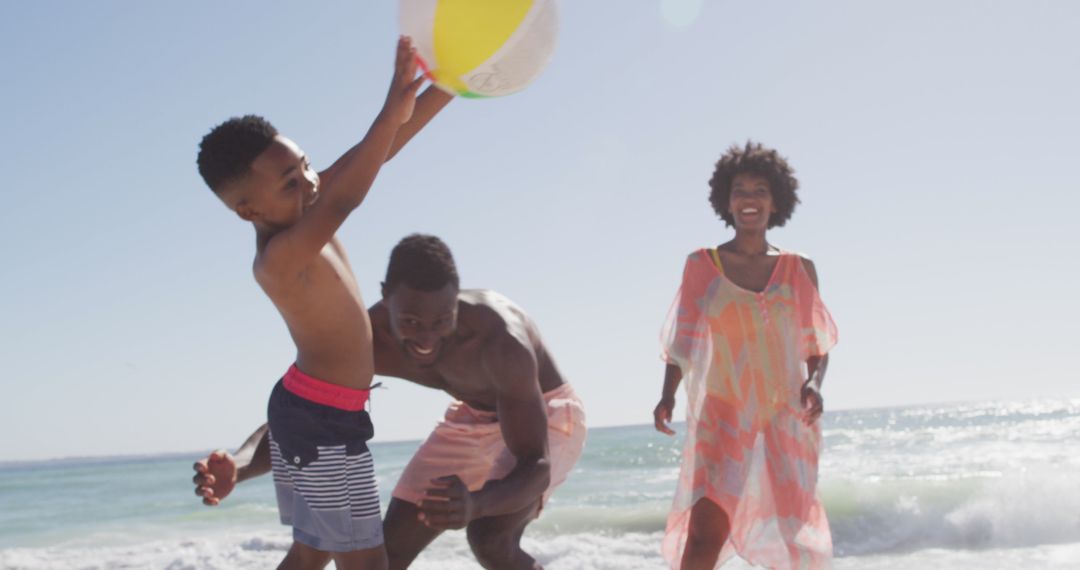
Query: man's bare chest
{"type": "Point", "coordinates": [466, 381]}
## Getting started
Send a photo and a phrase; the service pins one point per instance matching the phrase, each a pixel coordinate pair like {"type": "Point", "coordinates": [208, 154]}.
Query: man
{"type": "Point", "coordinates": [512, 435]}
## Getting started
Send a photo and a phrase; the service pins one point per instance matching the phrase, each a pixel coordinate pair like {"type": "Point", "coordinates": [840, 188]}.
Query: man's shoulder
{"type": "Point", "coordinates": [498, 322]}
{"type": "Point", "coordinates": [484, 308]}
{"type": "Point", "coordinates": [483, 297]}
{"type": "Point", "coordinates": [491, 312]}
{"type": "Point", "coordinates": [379, 316]}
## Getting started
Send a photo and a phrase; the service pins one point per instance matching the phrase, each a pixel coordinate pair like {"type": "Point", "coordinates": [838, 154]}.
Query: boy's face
{"type": "Point", "coordinates": [421, 321]}
{"type": "Point", "coordinates": [279, 188]}
{"type": "Point", "coordinates": [751, 202]}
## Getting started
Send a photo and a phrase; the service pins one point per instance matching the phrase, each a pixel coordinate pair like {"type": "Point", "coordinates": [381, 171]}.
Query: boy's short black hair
{"type": "Point", "coordinates": [754, 159]}
{"type": "Point", "coordinates": [227, 151]}
{"type": "Point", "coordinates": [423, 262]}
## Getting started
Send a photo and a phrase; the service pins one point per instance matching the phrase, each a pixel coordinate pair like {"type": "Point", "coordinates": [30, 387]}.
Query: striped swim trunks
{"type": "Point", "coordinates": [323, 474]}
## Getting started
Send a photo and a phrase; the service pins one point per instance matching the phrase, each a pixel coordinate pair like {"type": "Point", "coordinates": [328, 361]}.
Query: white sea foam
{"type": "Point", "coordinates": [903, 516]}
{"type": "Point", "coordinates": [960, 486]}
{"type": "Point", "coordinates": [584, 551]}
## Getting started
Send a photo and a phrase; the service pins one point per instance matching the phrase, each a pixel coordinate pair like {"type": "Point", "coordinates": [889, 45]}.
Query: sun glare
{"type": "Point", "coordinates": [680, 13]}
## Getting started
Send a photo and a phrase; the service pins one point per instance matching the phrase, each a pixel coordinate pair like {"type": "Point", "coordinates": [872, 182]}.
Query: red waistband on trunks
{"type": "Point", "coordinates": [325, 393]}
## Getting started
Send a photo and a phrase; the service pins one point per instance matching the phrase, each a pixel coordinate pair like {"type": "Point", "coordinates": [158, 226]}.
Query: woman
{"type": "Point", "coordinates": [749, 335]}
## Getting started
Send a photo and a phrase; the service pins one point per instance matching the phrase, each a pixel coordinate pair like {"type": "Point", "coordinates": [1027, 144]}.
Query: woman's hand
{"type": "Point", "coordinates": [662, 415]}
{"type": "Point", "coordinates": [812, 402]}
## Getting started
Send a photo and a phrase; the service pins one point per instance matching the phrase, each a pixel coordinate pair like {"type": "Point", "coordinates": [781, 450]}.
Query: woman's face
{"type": "Point", "coordinates": [751, 202]}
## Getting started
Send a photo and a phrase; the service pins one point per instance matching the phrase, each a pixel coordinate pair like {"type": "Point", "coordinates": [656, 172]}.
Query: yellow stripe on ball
{"type": "Point", "coordinates": [481, 48]}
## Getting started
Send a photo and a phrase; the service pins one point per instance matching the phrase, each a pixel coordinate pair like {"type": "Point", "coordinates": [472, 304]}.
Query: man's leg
{"type": "Point", "coordinates": [496, 541]}
{"type": "Point", "coordinates": [405, 536]}
{"type": "Point", "coordinates": [367, 559]}
{"type": "Point", "coordinates": [709, 529]}
{"type": "Point", "coordinates": [303, 557]}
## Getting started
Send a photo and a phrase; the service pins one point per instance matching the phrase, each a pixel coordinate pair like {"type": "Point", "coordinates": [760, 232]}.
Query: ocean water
{"type": "Point", "coordinates": [992, 485]}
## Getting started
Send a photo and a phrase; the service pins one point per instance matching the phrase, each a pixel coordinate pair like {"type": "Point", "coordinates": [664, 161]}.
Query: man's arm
{"type": "Point", "coordinates": [216, 475]}
{"type": "Point", "coordinates": [522, 417]}
{"type": "Point", "coordinates": [523, 420]}
{"type": "Point", "coordinates": [294, 247]}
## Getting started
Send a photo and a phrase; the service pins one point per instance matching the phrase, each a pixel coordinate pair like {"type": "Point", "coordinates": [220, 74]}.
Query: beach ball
{"type": "Point", "coordinates": [481, 48]}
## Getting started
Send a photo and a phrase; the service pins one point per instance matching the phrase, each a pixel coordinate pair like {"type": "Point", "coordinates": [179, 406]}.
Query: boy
{"type": "Point", "coordinates": [323, 473]}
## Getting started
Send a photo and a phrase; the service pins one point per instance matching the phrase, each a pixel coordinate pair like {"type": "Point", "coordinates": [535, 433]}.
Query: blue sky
{"type": "Point", "coordinates": [935, 144]}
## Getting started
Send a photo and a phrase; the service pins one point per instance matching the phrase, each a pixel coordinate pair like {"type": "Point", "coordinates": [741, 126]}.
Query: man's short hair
{"type": "Point", "coordinates": [422, 262]}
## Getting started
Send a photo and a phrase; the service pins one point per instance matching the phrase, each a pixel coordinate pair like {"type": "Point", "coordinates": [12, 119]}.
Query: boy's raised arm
{"type": "Point", "coordinates": [295, 246]}
{"type": "Point", "coordinates": [428, 104]}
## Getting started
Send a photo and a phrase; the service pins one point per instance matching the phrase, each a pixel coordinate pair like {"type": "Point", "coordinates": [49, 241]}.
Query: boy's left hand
{"type": "Point", "coordinates": [447, 505]}
{"type": "Point", "coordinates": [215, 477]}
{"type": "Point", "coordinates": [401, 100]}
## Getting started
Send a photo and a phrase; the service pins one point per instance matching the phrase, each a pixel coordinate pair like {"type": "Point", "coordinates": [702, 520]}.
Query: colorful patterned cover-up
{"type": "Point", "coordinates": [743, 354]}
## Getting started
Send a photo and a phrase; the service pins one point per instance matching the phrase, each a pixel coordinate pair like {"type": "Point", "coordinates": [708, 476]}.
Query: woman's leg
{"type": "Point", "coordinates": [709, 530]}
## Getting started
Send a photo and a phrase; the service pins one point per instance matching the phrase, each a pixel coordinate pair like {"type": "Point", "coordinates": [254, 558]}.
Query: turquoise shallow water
{"type": "Point", "coordinates": [953, 486]}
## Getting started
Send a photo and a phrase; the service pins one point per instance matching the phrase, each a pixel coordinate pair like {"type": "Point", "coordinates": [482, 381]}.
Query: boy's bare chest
{"type": "Point", "coordinates": [327, 280]}
{"type": "Point", "coordinates": [330, 269]}
{"type": "Point", "coordinates": [325, 285]}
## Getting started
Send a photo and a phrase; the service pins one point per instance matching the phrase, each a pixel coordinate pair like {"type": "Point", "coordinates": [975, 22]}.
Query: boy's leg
{"type": "Point", "coordinates": [303, 557]}
{"type": "Point", "coordinates": [496, 541]}
{"type": "Point", "coordinates": [404, 535]}
{"type": "Point", "coordinates": [325, 479]}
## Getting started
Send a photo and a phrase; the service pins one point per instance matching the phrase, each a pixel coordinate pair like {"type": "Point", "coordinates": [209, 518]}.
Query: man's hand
{"type": "Point", "coordinates": [214, 477]}
{"type": "Point", "coordinates": [401, 99]}
{"type": "Point", "coordinates": [662, 415]}
{"type": "Point", "coordinates": [812, 402]}
{"type": "Point", "coordinates": [447, 505]}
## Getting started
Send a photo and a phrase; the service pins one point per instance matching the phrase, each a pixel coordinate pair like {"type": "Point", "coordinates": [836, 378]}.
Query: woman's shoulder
{"type": "Point", "coordinates": [794, 254]}
{"type": "Point", "coordinates": [700, 265]}
{"type": "Point", "coordinates": [804, 261]}
{"type": "Point", "coordinates": [699, 254]}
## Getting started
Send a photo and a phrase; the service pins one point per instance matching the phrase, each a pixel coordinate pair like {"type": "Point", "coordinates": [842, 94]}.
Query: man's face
{"type": "Point", "coordinates": [751, 202]}
{"type": "Point", "coordinates": [421, 321]}
{"type": "Point", "coordinates": [279, 189]}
